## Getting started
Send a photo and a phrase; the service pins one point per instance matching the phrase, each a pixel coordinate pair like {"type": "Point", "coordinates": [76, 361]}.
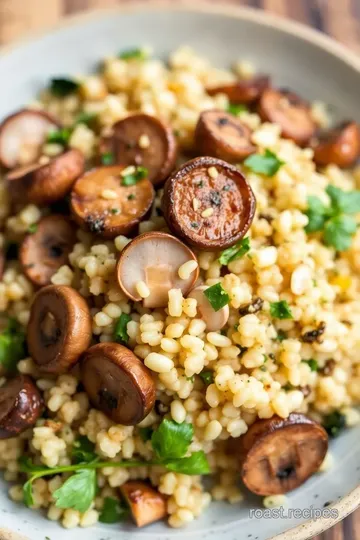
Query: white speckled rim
{"type": "Point", "coordinates": [349, 502]}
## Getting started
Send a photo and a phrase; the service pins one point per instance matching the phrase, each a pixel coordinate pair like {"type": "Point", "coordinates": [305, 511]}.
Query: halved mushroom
{"type": "Point", "coordinates": [292, 113]}
{"type": "Point", "coordinates": [208, 203]}
{"type": "Point", "coordinates": [154, 258]}
{"type": "Point", "coordinates": [243, 91]}
{"type": "Point", "coordinates": [59, 329]}
{"type": "Point", "coordinates": [146, 504]}
{"type": "Point", "coordinates": [141, 139]}
{"type": "Point", "coordinates": [340, 145]}
{"type": "Point", "coordinates": [222, 135]}
{"type": "Point", "coordinates": [215, 320]}
{"type": "Point", "coordinates": [118, 383]}
{"type": "Point", "coordinates": [45, 184]}
{"type": "Point", "coordinates": [22, 135]}
{"type": "Point", "coordinates": [43, 252]}
{"type": "Point", "coordinates": [21, 405]}
{"type": "Point", "coordinates": [106, 202]}
{"type": "Point", "coordinates": [277, 455]}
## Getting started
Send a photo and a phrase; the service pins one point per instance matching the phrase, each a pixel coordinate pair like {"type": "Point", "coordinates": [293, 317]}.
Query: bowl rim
{"type": "Point", "coordinates": [350, 502]}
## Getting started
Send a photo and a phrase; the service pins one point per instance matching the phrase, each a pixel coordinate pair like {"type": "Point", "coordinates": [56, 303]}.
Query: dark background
{"type": "Point", "coordinates": [339, 18]}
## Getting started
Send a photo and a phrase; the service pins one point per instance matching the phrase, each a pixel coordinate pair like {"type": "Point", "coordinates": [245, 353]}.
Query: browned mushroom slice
{"type": "Point", "coordinates": [118, 383]}
{"type": "Point", "coordinates": [243, 91]}
{"type": "Point", "coordinates": [20, 406]}
{"type": "Point", "coordinates": [60, 328]}
{"type": "Point", "coordinates": [143, 140]}
{"type": "Point", "coordinates": [215, 320]}
{"type": "Point", "coordinates": [277, 455]}
{"type": "Point", "coordinates": [43, 252]}
{"type": "Point", "coordinates": [224, 136]}
{"type": "Point", "coordinates": [45, 184]}
{"type": "Point", "coordinates": [340, 145]}
{"type": "Point", "coordinates": [22, 135]}
{"type": "Point", "coordinates": [146, 504]}
{"type": "Point", "coordinates": [208, 203]}
{"type": "Point", "coordinates": [154, 258]}
{"type": "Point", "coordinates": [289, 111]}
{"type": "Point", "coordinates": [111, 200]}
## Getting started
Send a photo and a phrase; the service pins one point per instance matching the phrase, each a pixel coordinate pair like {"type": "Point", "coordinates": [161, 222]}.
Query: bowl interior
{"type": "Point", "coordinates": [293, 62]}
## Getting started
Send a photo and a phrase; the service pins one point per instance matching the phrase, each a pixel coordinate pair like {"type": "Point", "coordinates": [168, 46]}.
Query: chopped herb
{"type": "Point", "coordinates": [60, 136]}
{"type": "Point", "coordinates": [107, 158]}
{"type": "Point", "coordinates": [132, 179]}
{"type": "Point", "coordinates": [112, 511]}
{"type": "Point", "coordinates": [235, 252]}
{"type": "Point", "coordinates": [265, 358]}
{"type": "Point", "coordinates": [236, 326]}
{"type": "Point", "coordinates": [171, 440]}
{"type": "Point", "coordinates": [146, 433]}
{"type": "Point", "coordinates": [207, 377]}
{"type": "Point", "coordinates": [85, 118]}
{"type": "Point", "coordinates": [215, 198]}
{"type": "Point", "coordinates": [267, 163]}
{"type": "Point", "coordinates": [237, 108]}
{"type": "Point", "coordinates": [217, 296]}
{"type": "Point", "coordinates": [131, 197]}
{"type": "Point", "coordinates": [61, 87]}
{"type": "Point", "coordinates": [120, 331]}
{"type": "Point", "coordinates": [12, 345]}
{"type": "Point", "coordinates": [288, 387]}
{"type": "Point", "coordinates": [115, 211]}
{"type": "Point", "coordinates": [83, 450]}
{"type": "Point", "coordinates": [334, 423]}
{"type": "Point", "coordinates": [313, 365]}
{"type": "Point", "coordinates": [200, 184]}
{"type": "Point", "coordinates": [280, 310]}
{"type": "Point", "coordinates": [191, 379]}
{"type": "Point", "coordinates": [263, 368]}
{"type": "Point", "coordinates": [134, 54]}
{"type": "Point", "coordinates": [32, 228]}
{"type": "Point", "coordinates": [194, 225]}
{"type": "Point", "coordinates": [281, 335]}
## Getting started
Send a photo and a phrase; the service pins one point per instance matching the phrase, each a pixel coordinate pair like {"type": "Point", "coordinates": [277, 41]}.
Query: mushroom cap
{"type": "Point", "coordinates": [59, 329]}
{"type": "Point", "coordinates": [154, 258]}
{"type": "Point", "coordinates": [118, 383]}
{"type": "Point", "coordinates": [146, 504]}
{"type": "Point", "coordinates": [44, 251]}
{"type": "Point", "coordinates": [277, 455]}
{"type": "Point", "coordinates": [340, 145]}
{"type": "Point", "coordinates": [22, 135]}
{"type": "Point", "coordinates": [243, 91]}
{"type": "Point", "coordinates": [215, 320]}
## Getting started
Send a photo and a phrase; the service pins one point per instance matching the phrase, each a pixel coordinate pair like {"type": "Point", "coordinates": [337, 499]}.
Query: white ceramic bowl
{"type": "Point", "coordinates": [296, 57]}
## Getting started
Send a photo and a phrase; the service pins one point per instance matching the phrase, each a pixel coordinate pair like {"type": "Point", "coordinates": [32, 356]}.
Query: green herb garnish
{"type": "Point", "coordinates": [131, 197]}
{"type": "Point", "coordinates": [60, 136]}
{"type": "Point", "coordinates": [235, 252]}
{"type": "Point", "coordinates": [313, 365]}
{"type": "Point", "coordinates": [237, 108]}
{"type": "Point", "coordinates": [133, 178]}
{"type": "Point", "coordinates": [115, 211]}
{"type": "Point", "coordinates": [217, 296]}
{"type": "Point", "coordinates": [61, 87]}
{"type": "Point", "coordinates": [107, 158]}
{"type": "Point", "coordinates": [146, 433]}
{"type": "Point", "coordinates": [78, 491]}
{"type": "Point", "coordinates": [83, 450]}
{"type": "Point", "coordinates": [207, 377]}
{"type": "Point", "coordinates": [281, 335]}
{"type": "Point", "coordinates": [134, 54]}
{"type": "Point", "coordinates": [12, 345]}
{"type": "Point", "coordinates": [280, 310]}
{"type": "Point", "coordinates": [267, 163]}
{"type": "Point", "coordinates": [113, 511]}
{"type": "Point", "coordinates": [120, 331]}
{"type": "Point", "coordinates": [85, 118]}
{"type": "Point", "coordinates": [334, 423]}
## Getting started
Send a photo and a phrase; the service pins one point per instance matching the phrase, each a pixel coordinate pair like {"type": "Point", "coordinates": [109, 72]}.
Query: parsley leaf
{"type": "Point", "coordinates": [280, 310]}
{"type": "Point", "coordinates": [61, 86]}
{"type": "Point", "coordinates": [347, 202]}
{"type": "Point", "coordinates": [12, 345]}
{"type": "Point", "coordinates": [267, 163]}
{"type": "Point", "coordinates": [316, 213]}
{"type": "Point", "coordinates": [194, 464]}
{"type": "Point", "coordinates": [78, 491]}
{"type": "Point", "coordinates": [236, 108]}
{"type": "Point", "coordinates": [146, 433]}
{"type": "Point", "coordinates": [235, 252]}
{"type": "Point", "coordinates": [28, 495]}
{"type": "Point", "coordinates": [207, 377]}
{"type": "Point", "coordinates": [33, 228]}
{"type": "Point", "coordinates": [120, 331]}
{"type": "Point", "coordinates": [134, 54]}
{"type": "Point", "coordinates": [133, 178]}
{"type": "Point", "coordinates": [217, 296]}
{"type": "Point", "coordinates": [313, 365]}
{"type": "Point", "coordinates": [85, 118]}
{"type": "Point", "coordinates": [281, 335]}
{"type": "Point", "coordinates": [112, 511]}
{"type": "Point", "coordinates": [338, 232]}
{"type": "Point", "coordinates": [171, 440]}
{"type": "Point", "coordinates": [60, 136]}
{"type": "Point", "coordinates": [83, 450]}
{"type": "Point", "coordinates": [334, 423]}
{"type": "Point", "coordinates": [107, 158]}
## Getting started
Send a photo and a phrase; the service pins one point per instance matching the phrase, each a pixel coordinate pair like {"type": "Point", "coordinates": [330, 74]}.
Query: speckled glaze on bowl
{"type": "Point", "coordinates": [296, 57]}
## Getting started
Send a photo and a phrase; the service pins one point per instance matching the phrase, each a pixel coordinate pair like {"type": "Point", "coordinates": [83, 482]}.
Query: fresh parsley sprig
{"type": "Point", "coordinates": [12, 345]}
{"type": "Point", "coordinates": [235, 252]}
{"type": "Point", "coordinates": [113, 511]}
{"type": "Point", "coordinates": [120, 331]}
{"type": "Point", "coordinates": [280, 310]}
{"type": "Point", "coordinates": [217, 296]}
{"type": "Point", "coordinates": [134, 177]}
{"type": "Point", "coordinates": [267, 163]}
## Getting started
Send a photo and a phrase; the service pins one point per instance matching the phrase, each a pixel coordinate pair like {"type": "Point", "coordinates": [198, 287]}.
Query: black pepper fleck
{"type": "Point", "coordinates": [215, 198]}
{"type": "Point", "coordinates": [96, 224]}
{"type": "Point", "coordinates": [314, 335]}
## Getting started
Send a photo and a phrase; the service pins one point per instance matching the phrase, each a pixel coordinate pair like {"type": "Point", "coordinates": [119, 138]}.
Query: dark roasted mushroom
{"type": "Point", "coordinates": [118, 383]}
{"type": "Point", "coordinates": [340, 145]}
{"type": "Point", "coordinates": [245, 91]}
{"type": "Point", "coordinates": [43, 252]}
{"type": "Point", "coordinates": [20, 406]}
{"type": "Point", "coordinates": [146, 504]}
{"type": "Point", "coordinates": [60, 328]}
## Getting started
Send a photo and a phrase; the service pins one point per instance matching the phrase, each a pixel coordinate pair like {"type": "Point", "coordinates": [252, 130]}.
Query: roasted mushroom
{"type": "Point", "coordinates": [222, 135]}
{"type": "Point", "coordinates": [143, 140]}
{"type": "Point", "coordinates": [111, 200]}
{"type": "Point", "coordinates": [245, 91]}
{"type": "Point", "coordinates": [215, 320]}
{"type": "Point", "coordinates": [22, 135]}
{"type": "Point", "coordinates": [118, 383]}
{"type": "Point", "coordinates": [44, 251]}
{"type": "Point", "coordinates": [277, 455]}
{"type": "Point", "coordinates": [20, 406]}
{"type": "Point", "coordinates": [60, 328]}
{"type": "Point", "coordinates": [45, 184]}
{"type": "Point", "coordinates": [340, 145]}
{"type": "Point", "coordinates": [146, 504]}
{"type": "Point", "coordinates": [154, 258]}
{"type": "Point", "coordinates": [292, 113]}
{"type": "Point", "coordinates": [208, 203]}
